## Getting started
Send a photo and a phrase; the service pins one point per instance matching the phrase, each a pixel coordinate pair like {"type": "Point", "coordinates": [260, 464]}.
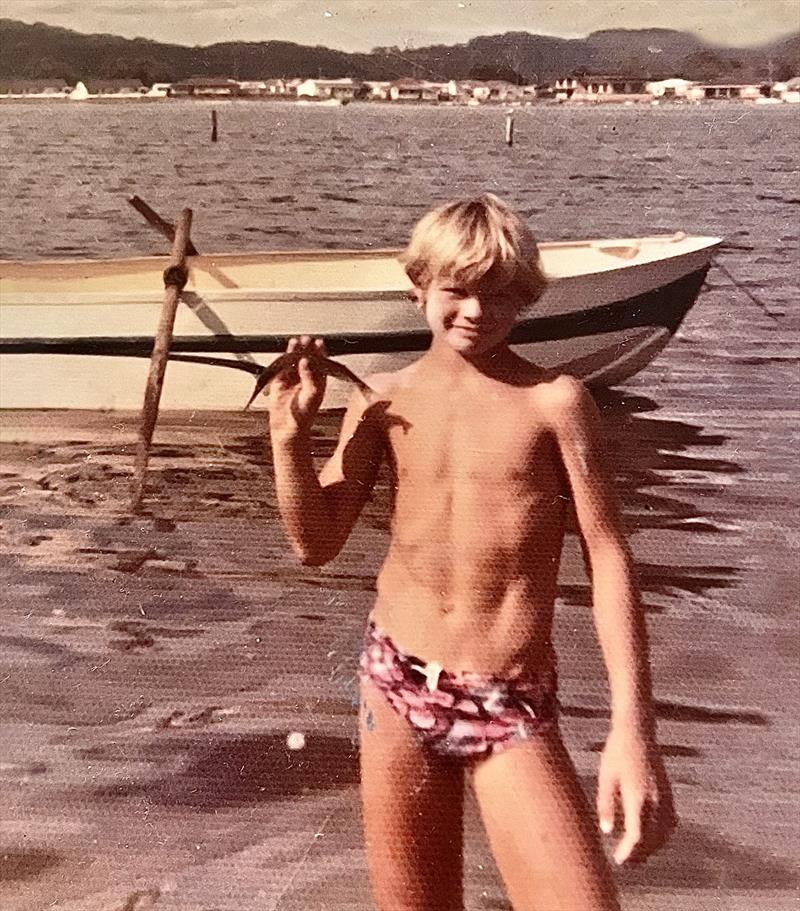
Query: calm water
{"type": "Point", "coordinates": [283, 177]}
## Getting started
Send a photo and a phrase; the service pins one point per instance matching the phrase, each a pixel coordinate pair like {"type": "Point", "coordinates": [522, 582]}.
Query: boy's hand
{"type": "Point", "coordinates": [632, 771]}
{"type": "Point", "coordinates": [297, 392]}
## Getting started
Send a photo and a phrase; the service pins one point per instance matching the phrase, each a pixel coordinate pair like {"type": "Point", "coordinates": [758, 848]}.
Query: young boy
{"type": "Point", "coordinates": [458, 671]}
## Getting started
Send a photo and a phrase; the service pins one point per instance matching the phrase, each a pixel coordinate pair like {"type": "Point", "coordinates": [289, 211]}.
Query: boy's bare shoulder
{"type": "Point", "coordinates": [390, 382]}
{"type": "Point", "coordinates": [563, 400]}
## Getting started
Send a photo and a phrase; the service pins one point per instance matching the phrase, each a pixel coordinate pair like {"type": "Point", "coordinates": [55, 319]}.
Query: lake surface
{"type": "Point", "coordinates": [284, 176]}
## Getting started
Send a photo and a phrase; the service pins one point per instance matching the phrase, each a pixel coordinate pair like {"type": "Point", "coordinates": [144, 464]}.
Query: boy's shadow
{"type": "Point", "coordinates": [650, 455]}
{"type": "Point", "coordinates": [650, 452]}
{"type": "Point", "coordinates": [696, 859]}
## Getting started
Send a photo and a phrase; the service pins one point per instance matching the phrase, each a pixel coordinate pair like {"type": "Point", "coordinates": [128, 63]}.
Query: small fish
{"type": "Point", "coordinates": [326, 364]}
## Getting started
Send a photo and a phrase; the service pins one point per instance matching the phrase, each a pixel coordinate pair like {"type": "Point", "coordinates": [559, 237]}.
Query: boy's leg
{"type": "Point", "coordinates": [542, 832]}
{"type": "Point", "coordinates": [413, 812]}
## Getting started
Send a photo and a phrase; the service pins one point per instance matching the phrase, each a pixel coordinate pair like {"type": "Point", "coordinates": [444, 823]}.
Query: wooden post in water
{"type": "Point", "coordinates": [213, 125]}
{"type": "Point", "coordinates": [510, 129]}
{"type": "Point", "coordinates": [175, 277]}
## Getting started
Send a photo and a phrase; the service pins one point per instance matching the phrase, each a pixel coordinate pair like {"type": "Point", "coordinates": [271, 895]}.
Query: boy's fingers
{"type": "Point", "coordinates": [627, 845]}
{"type": "Point", "coordinates": [624, 849]}
{"type": "Point", "coordinates": [633, 807]}
{"type": "Point", "coordinates": [292, 346]}
{"type": "Point", "coordinates": [320, 346]}
{"type": "Point", "coordinates": [309, 377]}
{"type": "Point", "coordinates": [606, 803]}
{"type": "Point", "coordinates": [306, 367]}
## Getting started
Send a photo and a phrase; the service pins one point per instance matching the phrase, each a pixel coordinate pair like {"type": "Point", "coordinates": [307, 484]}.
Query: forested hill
{"type": "Point", "coordinates": [43, 51]}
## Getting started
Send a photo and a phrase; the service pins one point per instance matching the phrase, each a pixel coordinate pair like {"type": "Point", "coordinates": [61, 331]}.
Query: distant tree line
{"type": "Point", "coordinates": [41, 51]}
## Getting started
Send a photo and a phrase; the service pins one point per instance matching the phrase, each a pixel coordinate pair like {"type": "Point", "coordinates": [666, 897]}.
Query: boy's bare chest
{"type": "Point", "coordinates": [486, 442]}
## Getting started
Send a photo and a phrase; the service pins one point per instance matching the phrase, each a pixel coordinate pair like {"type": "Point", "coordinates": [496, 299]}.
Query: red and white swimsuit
{"type": "Point", "coordinates": [463, 713]}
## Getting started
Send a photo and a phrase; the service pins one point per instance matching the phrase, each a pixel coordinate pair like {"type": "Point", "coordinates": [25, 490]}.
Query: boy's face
{"type": "Point", "coordinates": [471, 320]}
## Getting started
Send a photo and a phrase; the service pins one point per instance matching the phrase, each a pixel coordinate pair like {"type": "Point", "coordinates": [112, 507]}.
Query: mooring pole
{"type": "Point", "coordinates": [175, 277]}
{"type": "Point", "coordinates": [213, 125]}
{"type": "Point", "coordinates": [509, 129]}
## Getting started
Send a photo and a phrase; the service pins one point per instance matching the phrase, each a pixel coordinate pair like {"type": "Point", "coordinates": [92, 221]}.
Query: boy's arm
{"type": "Point", "coordinates": [318, 513]}
{"type": "Point", "coordinates": [631, 764]}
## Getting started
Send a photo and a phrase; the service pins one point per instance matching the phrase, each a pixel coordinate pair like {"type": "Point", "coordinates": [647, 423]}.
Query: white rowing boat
{"type": "Point", "coordinates": [77, 334]}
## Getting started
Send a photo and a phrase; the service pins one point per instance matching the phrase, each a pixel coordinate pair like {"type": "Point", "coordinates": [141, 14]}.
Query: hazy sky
{"type": "Point", "coordinates": [359, 25]}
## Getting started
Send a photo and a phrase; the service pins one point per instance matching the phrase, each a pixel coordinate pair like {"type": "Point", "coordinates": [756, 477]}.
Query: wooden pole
{"type": "Point", "coordinates": [175, 277]}
{"type": "Point", "coordinates": [153, 218]}
{"type": "Point", "coordinates": [213, 125]}
{"type": "Point", "coordinates": [509, 129]}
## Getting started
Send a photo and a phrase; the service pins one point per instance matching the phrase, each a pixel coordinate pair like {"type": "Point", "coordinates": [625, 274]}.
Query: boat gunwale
{"type": "Point", "coordinates": [221, 295]}
{"type": "Point", "coordinates": [247, 295]}
{"type": "Point", "coordinates": [258, 256]}
{"type": "Point", "coordinates": [278, 295]}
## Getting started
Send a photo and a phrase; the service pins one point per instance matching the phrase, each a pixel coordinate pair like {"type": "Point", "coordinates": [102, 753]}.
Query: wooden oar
{"type": "Point", "coordinates": [175, 277]}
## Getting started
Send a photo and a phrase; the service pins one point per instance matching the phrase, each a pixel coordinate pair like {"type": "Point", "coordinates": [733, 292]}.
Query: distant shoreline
{"type": "Point", "coordinates": [617, 102]}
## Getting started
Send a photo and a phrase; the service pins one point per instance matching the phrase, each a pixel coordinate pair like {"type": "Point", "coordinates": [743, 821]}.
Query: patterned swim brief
{"type": "Point", "coordinates": [458, 714]}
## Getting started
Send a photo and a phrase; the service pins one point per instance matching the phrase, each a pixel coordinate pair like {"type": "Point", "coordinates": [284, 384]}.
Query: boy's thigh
{"type": "Point", "coordinates": [543, 834]}
{"type": "Point", "coordinates": [413, 813]}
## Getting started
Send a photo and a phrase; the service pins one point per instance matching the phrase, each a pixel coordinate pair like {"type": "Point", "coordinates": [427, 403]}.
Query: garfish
{"type": "Point", "coordinates": [326, 364]}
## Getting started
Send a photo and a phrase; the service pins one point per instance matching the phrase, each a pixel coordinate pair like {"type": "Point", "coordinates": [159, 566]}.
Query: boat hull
{"type": "Point", "coordinates": [602, 326]}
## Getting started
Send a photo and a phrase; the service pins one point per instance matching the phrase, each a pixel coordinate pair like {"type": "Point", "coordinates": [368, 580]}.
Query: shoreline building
{"type": "Point", "coordinates": [675, 89]}
{"type": "Point", "coordinates": [788, 91]}
{"type": "Point", "coordinates": [503, 92]}
{"type": "Point", "coordinates": [599, 88]}
{"type": "Point", "coordinates": [339, 89]}
{"type": "Point", "coordinates": [34, 88]}
{"type": "Point", "coordinates": [281, 88]}
{"type": "Point", "coordinates": [409, 89]}
{"type": "Point", "coordinates": [203, 87]}
{"type": "Point", "coordinates": [742, 92]}
{"type": "Point", "coordinates": [110, 88]}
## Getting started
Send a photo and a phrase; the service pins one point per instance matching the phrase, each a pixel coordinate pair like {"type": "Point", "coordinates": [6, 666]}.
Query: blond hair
{"type": "Point", "coordinates": [477, 243]}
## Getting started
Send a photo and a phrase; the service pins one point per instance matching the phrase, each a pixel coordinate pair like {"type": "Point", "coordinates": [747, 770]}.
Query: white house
{"type": "Point", "coordinates": [791, 91]}
{"type": "Point", "coordinates": [611, 87]}
{"type": "Point", "coordinates": [34, 88]}
{"type": "Point", "coordinates": [671, 88]}
{"type": "Point", "coordinates": [158, 90]}
{"type": "Point", "coordinates": [497, 90]}
{"type": "Point", "coordinates": [410, 89]}
{"type": "Point", "coordinates": [744, 92]}
{"type": "Point", "coordinates": [328, 88]}
{"type": "Point", "coordinates": [377, 90]}
{"type": "Point", "coordinates": [252, 88]}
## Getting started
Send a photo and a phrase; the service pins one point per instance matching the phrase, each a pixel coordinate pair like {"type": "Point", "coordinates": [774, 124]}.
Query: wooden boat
{"type": "Point", "coordinates": [76, 334]}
